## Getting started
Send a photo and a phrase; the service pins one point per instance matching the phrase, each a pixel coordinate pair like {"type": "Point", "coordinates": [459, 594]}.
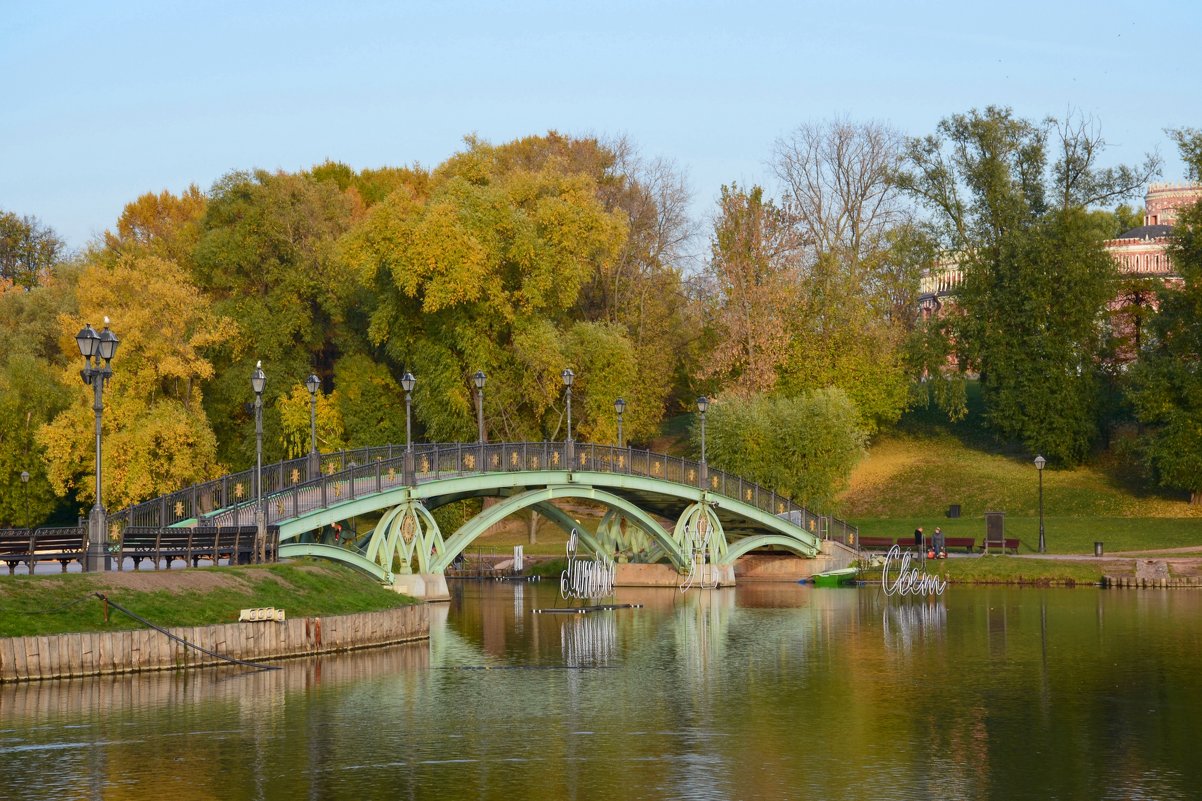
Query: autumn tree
{"type": "Point", "coordinates": [482, 274]}
{"type": "Point", "coordinates": [642, 289]}
{"type": "Point", "coordinates": [754, 274]}
{"type": "Point", "coordinates": [164, 225]}
{"type": "Point", "coordinates": [157, 437]}
{"type": "Point", "coordinates": [858, 265]}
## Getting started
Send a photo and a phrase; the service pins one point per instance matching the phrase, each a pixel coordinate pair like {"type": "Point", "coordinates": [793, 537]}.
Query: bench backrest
{"type": "Point", "coordinates": [73, 538]}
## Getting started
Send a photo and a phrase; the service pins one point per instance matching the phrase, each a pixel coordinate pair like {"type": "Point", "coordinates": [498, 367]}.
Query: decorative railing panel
{"type": "Point", "coordinates": [289, 490]}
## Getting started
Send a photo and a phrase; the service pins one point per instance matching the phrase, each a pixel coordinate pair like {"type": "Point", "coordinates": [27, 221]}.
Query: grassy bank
{"type": "Point", "coordinates": [1008, 570]}
{"type": "Point", "coordinates": [56, 604]}
{"type": "Point", "coordinates": [1068, 535]}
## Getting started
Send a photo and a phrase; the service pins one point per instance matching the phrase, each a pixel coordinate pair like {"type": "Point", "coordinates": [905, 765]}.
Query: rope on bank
{"type": "Point", "coordinates": [181, 640]}
{"type": "Point", "coordinates": [67, 605]}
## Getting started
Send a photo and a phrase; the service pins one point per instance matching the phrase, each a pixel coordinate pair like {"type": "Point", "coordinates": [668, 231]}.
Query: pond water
{"type": "Point", "coordinates": [760, 692]}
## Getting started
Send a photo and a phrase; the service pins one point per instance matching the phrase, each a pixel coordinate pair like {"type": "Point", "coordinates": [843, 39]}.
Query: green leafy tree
{"type": "Point", "coordinates": [31, 394]}
{"type": "Point", "coordinates": [369, 401]}
{"type": "Point", "coordinates": [1166, 383]}
{"type": "Point", "coordinates": [265, 256]}
{"type": "Point", "coordinates": [29, 250]}
{"type": "Point", "coordinates": [803, 448]}
{"type": "Point", "coordinates": [1036, 279]}
{"type": "Point", "coordinates": [604, 360]}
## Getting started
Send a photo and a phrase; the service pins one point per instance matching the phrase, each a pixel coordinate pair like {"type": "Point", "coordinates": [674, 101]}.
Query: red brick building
{"type": "Point", "coordinates": [1142, 258]}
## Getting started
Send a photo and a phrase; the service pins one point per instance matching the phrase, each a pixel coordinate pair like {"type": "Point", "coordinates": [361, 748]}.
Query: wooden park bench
{"type": "Point", "coordinates": [967, 543]}
{"type": "Point", "coordinates": [60, 545]}
{"type": "Point", "coordinates": [1004, 545]}
{"type": "Point", "coordinates": [876, 542]}
{"type": "Point", "coordinates": [234, 544]}
{"type": "Point", "coordinates": [15, 546]}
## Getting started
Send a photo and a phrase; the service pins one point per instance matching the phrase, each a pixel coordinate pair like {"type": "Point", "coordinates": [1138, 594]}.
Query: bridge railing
{"type": "Point", "coordinates": [289, 488]}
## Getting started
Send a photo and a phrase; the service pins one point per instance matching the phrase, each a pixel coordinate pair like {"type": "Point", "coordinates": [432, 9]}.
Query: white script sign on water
{"type": "Point", "coordinates": [909, 580]}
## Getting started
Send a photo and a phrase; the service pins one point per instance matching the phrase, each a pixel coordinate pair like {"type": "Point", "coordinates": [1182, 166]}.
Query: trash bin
{"type": "Point", "coordinates": [1097, 549]}
{"type": "Point", "coordinates": [953, 511]}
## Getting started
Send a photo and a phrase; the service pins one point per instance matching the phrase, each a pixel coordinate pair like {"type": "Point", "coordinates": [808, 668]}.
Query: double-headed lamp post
{"type": "Point", "coordinates": [1039, 463]}
{"type": "Point", "coordinates": [97, 348]}
{"type": "Point", "coordinates": [258, 382]}
{"type": "Point", "coordinates": [568, 377]}
{"type": "Point", "coordinates": [620, 408]}
{"type": "Point", "coordinates": [313, 383]}
{"type": "Point", "coordinates": [25, 488]}
{"type": "Point", "coordinates": [408, 382]}
{"type": "Point", "coordinates": [703, 404]}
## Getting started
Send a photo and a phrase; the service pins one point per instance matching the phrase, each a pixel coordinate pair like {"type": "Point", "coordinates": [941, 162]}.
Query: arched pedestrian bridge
{"type": "Point", "coordinates": [712, 515]}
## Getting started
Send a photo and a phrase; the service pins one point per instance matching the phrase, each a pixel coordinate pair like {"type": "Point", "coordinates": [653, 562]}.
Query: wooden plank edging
{"type": "Point", "coordinates": [61, 656]}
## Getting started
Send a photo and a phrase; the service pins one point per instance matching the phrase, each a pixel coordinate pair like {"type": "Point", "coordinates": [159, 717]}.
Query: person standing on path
{"type": "Point", "coordinates": [918, 538]}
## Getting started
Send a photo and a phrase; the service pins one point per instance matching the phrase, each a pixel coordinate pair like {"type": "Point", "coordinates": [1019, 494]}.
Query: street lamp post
{"type": "Point", "coordinates": [258, 382]}
{"type": "Point", "coordinates": [1039, 463]}
{"type": "Point", "coordinates": [97, 348]}
{"type": "Point", "coordinates": [478, 379]}
{"type": "Point", "coordinates": [313, 383]}
{"type": "Point", "coordinates": [703, 403]}
{"type": "Point", "coordinates": [568, 377]}
{"type": "Point", "coordinates": [25, 488]}
{"type": "Point", "coordinates": [620, 408]}
{"type": "Point", "coordinates": [408, 382]}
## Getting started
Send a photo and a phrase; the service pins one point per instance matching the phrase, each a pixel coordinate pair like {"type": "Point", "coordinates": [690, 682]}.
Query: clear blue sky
{"type": "Point", "coordinates": [104, 101]}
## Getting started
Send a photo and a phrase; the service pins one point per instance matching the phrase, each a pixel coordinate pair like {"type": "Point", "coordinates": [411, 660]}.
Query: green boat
{"type": "Point", "coordinates": [844, 577]}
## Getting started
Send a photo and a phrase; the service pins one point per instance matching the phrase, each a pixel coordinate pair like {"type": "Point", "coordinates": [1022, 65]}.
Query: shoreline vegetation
{"type": "Point", "coordinates": [62, 604]}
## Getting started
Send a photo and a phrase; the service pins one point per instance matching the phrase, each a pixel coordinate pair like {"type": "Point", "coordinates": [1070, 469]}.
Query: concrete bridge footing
{"type": "Point", "coordinates": [425, 586]}
{"type": "Point", "coordinates": [659, 575]}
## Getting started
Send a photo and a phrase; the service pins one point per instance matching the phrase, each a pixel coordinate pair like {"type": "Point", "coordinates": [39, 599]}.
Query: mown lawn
{"type": "Point", "coordinates": [1071, 535]}
{"type": "Point", "coordinates": [55, 604]}
{"type": "Point", "coordinates": [912, 475]}
{"type": "Point", "coordinates": [1009, 570]}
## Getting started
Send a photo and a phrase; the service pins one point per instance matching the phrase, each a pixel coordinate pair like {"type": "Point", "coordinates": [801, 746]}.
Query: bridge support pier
{"type": "Point", "coordinates": [424, 586]}
{"type": "Point", "coordinates": [661, 575]}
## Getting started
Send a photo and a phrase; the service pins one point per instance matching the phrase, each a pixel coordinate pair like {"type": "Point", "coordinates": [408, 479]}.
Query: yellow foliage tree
{"type": "Point", "coordinates": [157, 437]}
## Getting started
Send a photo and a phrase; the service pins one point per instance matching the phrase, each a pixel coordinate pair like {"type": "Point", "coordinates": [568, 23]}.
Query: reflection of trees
{"type": "Point", "coordinates": [212, 733]}
{"type": "Point", "coordinates": [837, 694]}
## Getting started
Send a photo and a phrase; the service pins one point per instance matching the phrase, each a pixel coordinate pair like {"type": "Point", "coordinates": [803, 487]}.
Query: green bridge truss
{"type": "Point", "coordinates": [711, 514]}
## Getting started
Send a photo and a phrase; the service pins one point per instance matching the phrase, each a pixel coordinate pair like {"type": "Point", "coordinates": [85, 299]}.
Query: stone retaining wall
{"type": "Point", "coordinates": [1143, 582]}
{"type": "Point", "coordinates": [96, 653]}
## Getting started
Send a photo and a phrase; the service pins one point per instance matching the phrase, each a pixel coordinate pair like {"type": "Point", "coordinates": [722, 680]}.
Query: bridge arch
{"type": "Point", "coordinates": [468, 533]}
{"type": "Point", "coordinates": [748, 544]}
